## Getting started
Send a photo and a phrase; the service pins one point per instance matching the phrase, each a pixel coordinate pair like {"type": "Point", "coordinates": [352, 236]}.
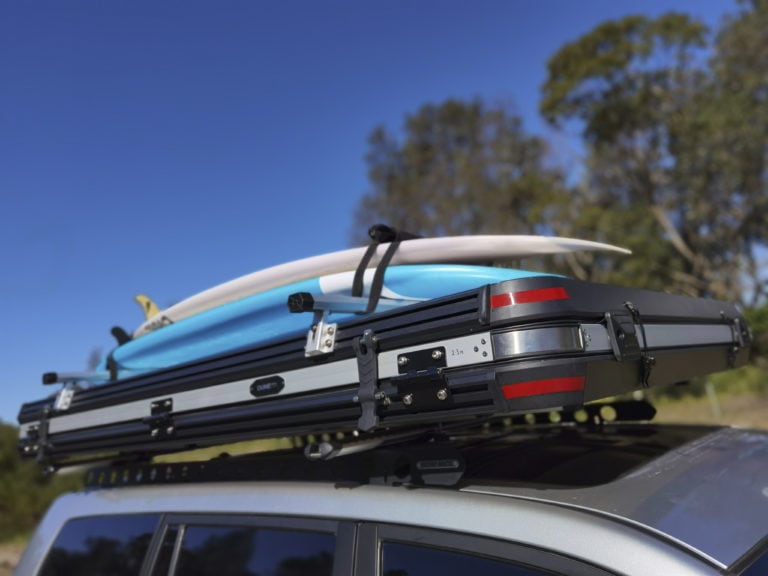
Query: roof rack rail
{"type": "Point", "coordinates": [413, 457]}
{"type": "Point", "coordinates": [430, 462]}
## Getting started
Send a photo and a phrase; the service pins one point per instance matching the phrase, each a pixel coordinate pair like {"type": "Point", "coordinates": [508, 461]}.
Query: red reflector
{"type": "Point", "coordinates": [529, 296]}
{"type": "Point", "coordinates": [538, 387]}
{"type": "Point", "coordinates": [499, 300]}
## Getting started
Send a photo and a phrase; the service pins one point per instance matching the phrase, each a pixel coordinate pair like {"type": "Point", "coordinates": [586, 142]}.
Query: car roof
{"type": "Point", "coordinates": [543, 526]}
{"type": "Point", "coordinates": [708, 492]}
{"type": "Point", "coordinates": [701, 489]}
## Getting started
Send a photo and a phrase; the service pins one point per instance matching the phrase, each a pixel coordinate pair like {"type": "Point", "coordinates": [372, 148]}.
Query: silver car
{"type": "Point", "coordinates": [595, 498]}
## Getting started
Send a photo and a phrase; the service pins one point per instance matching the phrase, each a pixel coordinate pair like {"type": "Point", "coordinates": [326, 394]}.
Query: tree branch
{"type": "Point", "coordinates": [674, 237]}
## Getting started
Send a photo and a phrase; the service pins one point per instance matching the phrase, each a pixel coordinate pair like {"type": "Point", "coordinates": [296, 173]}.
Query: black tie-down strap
{"type": "Point", "coordinates": [379, 234]}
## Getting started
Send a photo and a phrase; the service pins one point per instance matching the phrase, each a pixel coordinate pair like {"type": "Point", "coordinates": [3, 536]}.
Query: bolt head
{"type": "Point", "coordinates": [437, 354]}
{"type": "Point", "coordinates": [402, 360]}
{"type": "Point", "coordinates": [442, 394]}
{"type": "Point", "coordinates": [408, 399]}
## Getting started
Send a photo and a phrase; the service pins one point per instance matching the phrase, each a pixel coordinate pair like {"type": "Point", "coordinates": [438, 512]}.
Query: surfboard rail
{"type": "Point", "coordinates": [444, 250]}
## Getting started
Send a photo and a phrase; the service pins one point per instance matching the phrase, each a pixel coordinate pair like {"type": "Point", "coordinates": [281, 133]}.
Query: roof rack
{"type": "Point", "coordinates": [413, 457]}
{"type": "Point", "coordinates": [534, 344]}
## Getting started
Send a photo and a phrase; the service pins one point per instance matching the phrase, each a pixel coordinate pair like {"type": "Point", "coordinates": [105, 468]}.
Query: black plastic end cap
{"type": "Point", "coordinates": [382, 233]}
{"type": "Point", "coordinates": [301, 302]}
{"type": "Point", "coordinates": [50, 378]}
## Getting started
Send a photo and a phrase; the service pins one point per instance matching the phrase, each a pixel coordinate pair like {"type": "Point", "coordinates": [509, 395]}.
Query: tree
{"type": "Point", "coordinates": [466, 168]}
{"type": "Point", "coordinates": [25, 493]}
{"type": "Point", "coordinates": [737, 146]}
{"type": "Point", "coordinates": [461, 168]}
{"type": "Point", "coordinates": [624, 77]}
{"type": "Point", "coordinates": [624, 81]}
{"type": "Point", "coordinates": [666, 173]}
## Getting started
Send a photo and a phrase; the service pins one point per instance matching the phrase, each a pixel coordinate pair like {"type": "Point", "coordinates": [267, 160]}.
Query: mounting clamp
{"type": "Point", "coordinates": [368, 394]}
{"type": "Point", "coordinates": [160, 420]}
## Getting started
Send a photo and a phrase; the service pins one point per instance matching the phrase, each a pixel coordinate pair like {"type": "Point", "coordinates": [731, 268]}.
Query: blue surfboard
{"type": "Point", "coordinates": [262, 318]}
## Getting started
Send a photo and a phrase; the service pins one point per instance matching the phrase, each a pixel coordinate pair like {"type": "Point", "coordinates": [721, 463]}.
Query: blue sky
{"type": "Point", "coordinates": [164, 147]}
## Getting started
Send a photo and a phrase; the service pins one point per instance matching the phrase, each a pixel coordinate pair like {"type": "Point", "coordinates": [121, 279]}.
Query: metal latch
{"type": "Point", "coordinates": [368, 394]}
{"type": "Point", "coordinates": [423, 390]}
{"type": "Point", "coordinates": [420, 360]}
{"type": "Point", "coordinates": [30, 444]}
{"type": "Point", "coordinates": [36, 442]}
{"type": "Point", "coordinates": [321, 338]}
{"type": "Point", "coordinates": [421, 384]}
{"type": "Point", "coordinates": [160, 420]}
{"type": "Point", "coordinates": [622, 328]}
{"type": "Point", "coordinates": [64, 398]}
{"type": "Point", "coordinates": [622, 334]}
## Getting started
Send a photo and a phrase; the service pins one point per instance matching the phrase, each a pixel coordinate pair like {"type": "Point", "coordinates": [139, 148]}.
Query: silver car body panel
{"type": "Point", "coordinates": [710, 494]}
{"type": "Point", "coordinates": [602, 541]}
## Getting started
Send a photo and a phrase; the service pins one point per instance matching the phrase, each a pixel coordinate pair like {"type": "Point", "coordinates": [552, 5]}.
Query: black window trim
{"type": "Point", "coordinates": [743, 564]}
{"type": "Point", "coordinates": [344, 531]}
{"type": "Point", "coordinates": [371, 535]}
{"type": "Point", "coordinates": [153, 552]}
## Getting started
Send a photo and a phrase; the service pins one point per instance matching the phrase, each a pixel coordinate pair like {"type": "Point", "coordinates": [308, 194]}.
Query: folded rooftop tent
{"type": "Point", "coordinates": [527, 345]}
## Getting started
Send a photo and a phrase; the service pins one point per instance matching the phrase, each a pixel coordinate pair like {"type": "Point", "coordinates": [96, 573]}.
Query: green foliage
{"type": "Point", "coordinates": [746, 380]}
{"type": "Point", "coordinates": [460, 168]}
{"type": "Point", "coordinates": [676, 134]}
{"type": "Point", "coordinates": [679, 143]}
{"type": "Point", "coordinates": [608, 78]}
{"type": "Point", "coordinates": [676, 166]}
{"type": "Point", "coordinates": [757, 318]}
{"type": "Point", "coordinates": [25, 493]}
{"type": "Point", "coordinates": [626, 81]}
{"type": "Point", "coordinates": [739, 102]}
{"type": "Point", "coordinates": [465, 168]}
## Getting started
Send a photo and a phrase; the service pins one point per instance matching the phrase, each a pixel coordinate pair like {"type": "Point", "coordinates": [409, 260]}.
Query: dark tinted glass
{"type": "Point", "coordinates": [758, 568]}
{"type": "Point", "coordinates": [249, 551]}
{"type": "Point", "coordinates": [114, 545]}
{"type": "Point", "coordinates": [406, 560]}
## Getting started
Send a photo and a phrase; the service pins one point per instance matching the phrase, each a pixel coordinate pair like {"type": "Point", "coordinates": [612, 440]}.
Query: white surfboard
{"type": "Point", "coordinates": [446, 250]}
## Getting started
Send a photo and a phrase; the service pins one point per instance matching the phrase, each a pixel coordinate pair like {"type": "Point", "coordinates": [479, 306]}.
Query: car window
{"type": "Point", "coordinates": [408, 560]}
{"type": "Point", "coordinates": [758, 568]}
{"type": "Point", "coordinates": [209, 550]}
{"type": "Point", "coordinates": [94, 546]}
{"type": "Point", "coordinates": [393, 550]}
